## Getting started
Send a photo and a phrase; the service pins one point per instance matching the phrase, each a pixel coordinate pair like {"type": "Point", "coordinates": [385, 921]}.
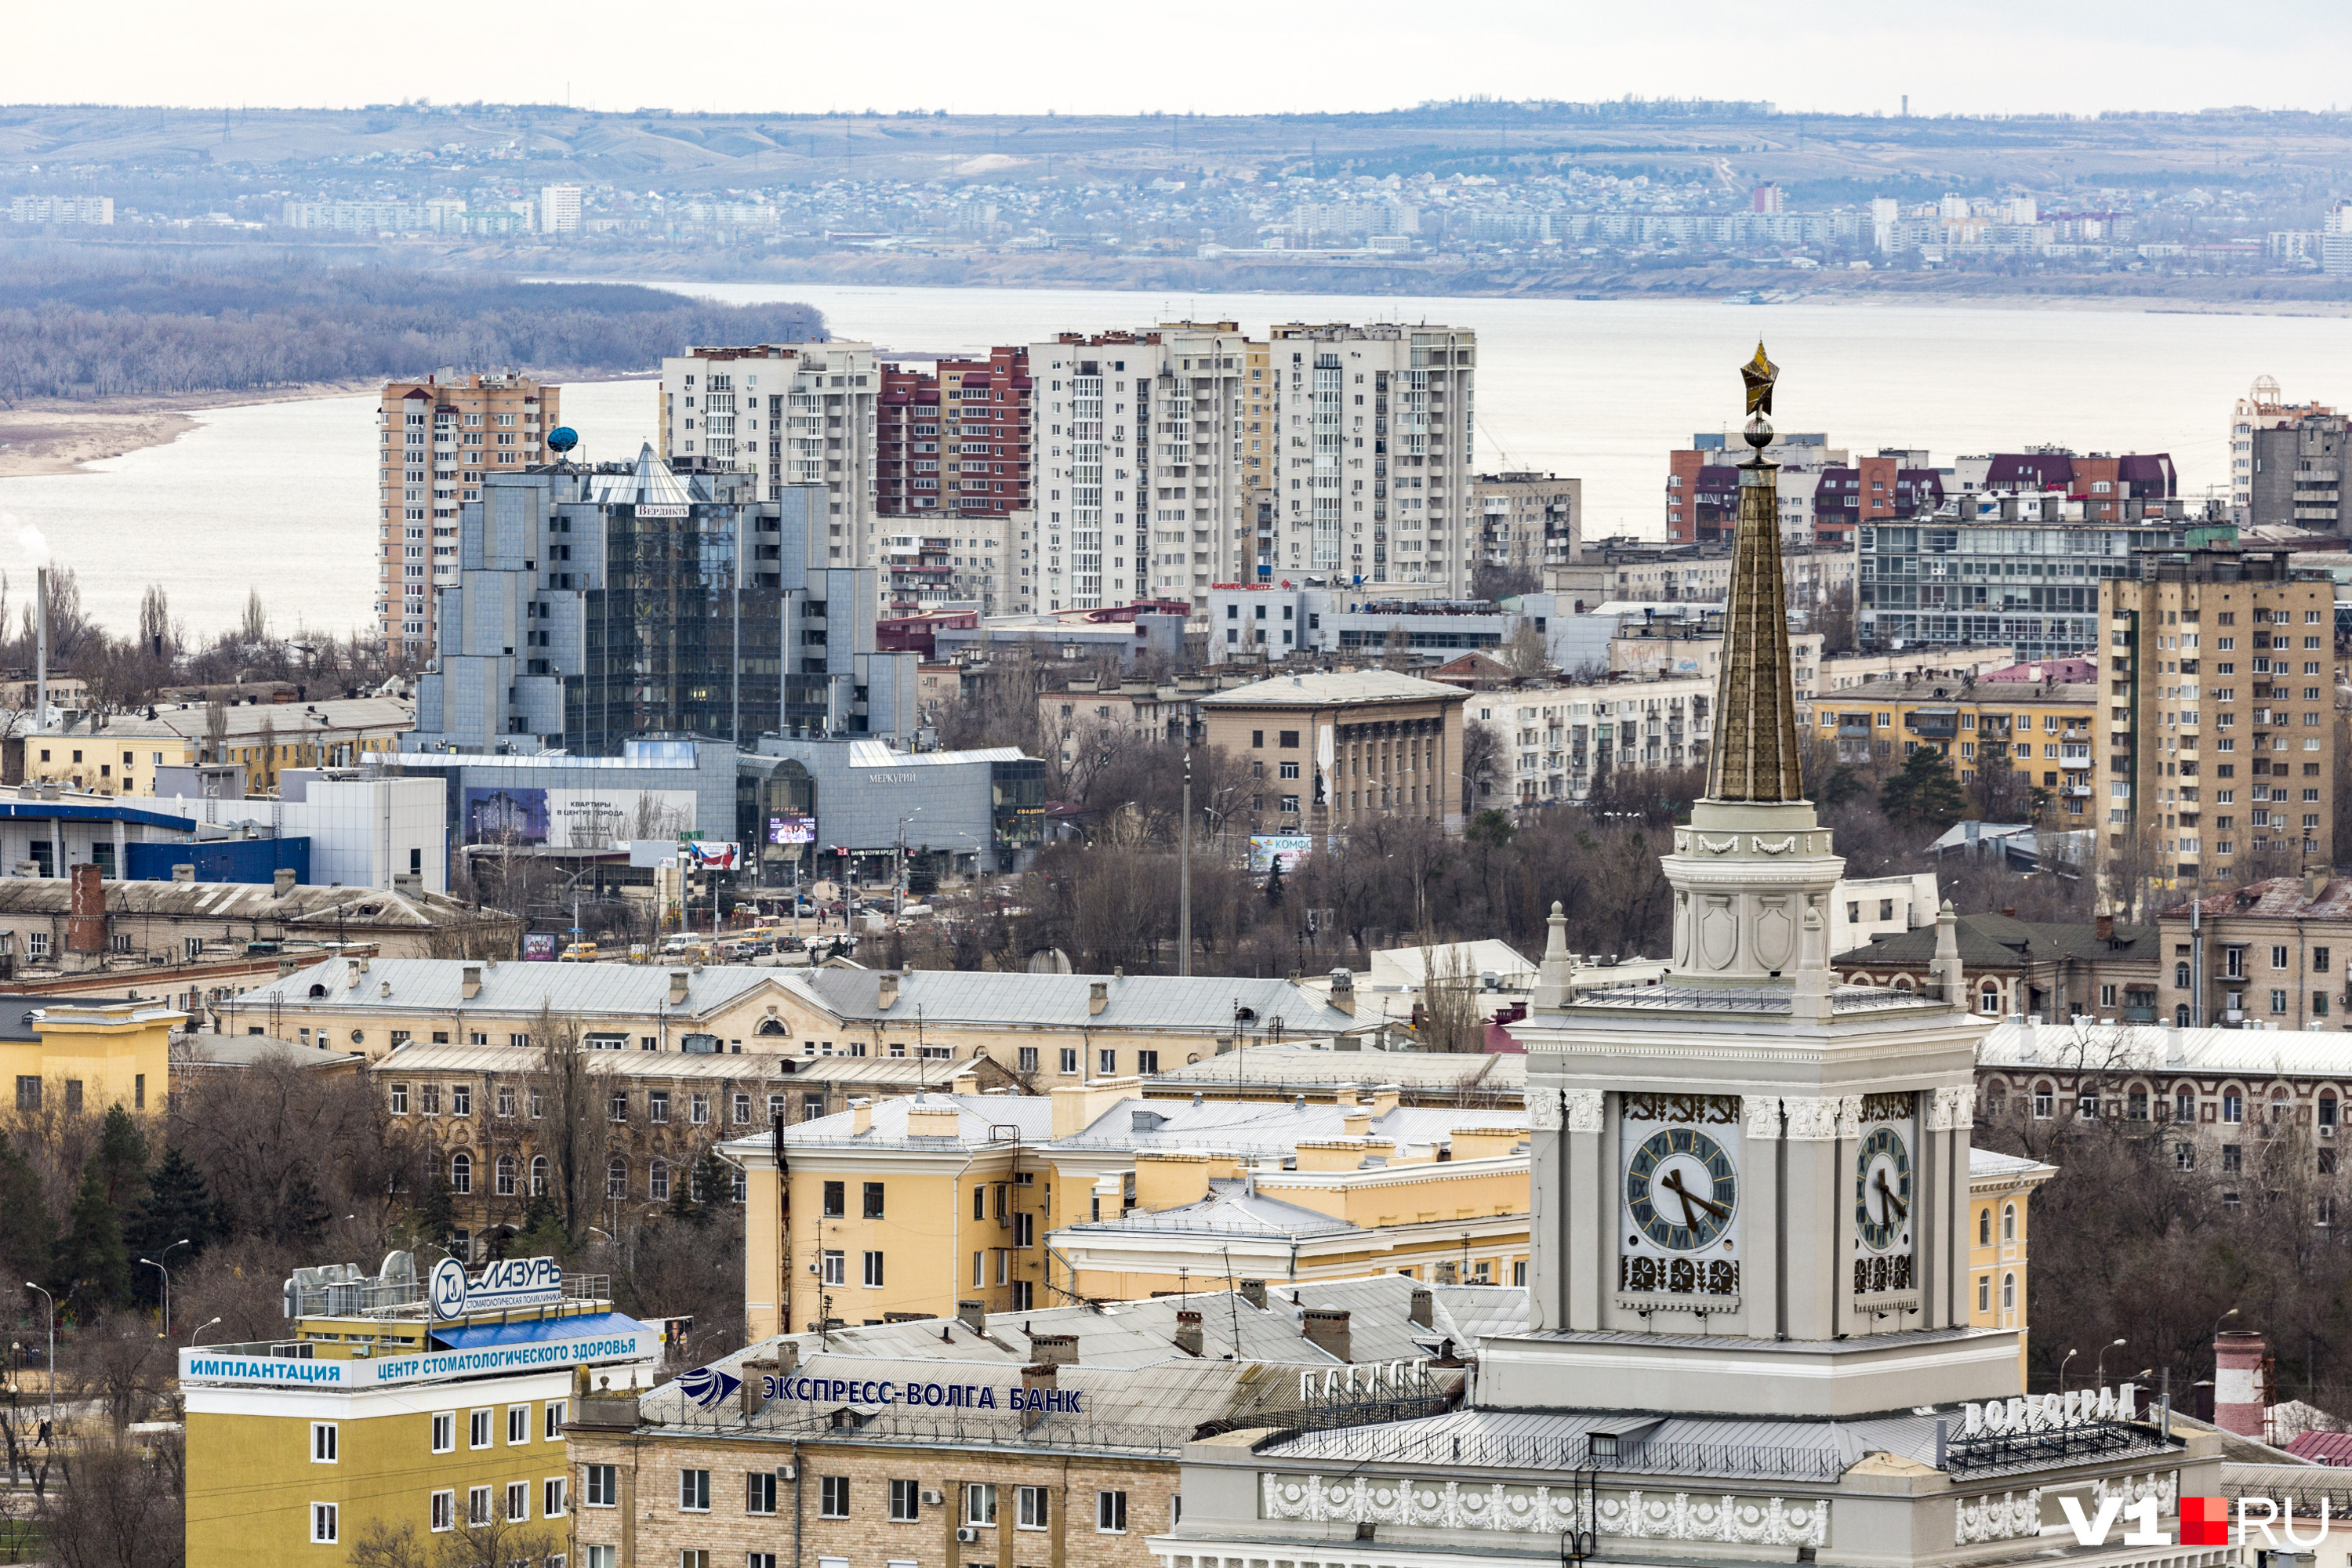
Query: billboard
{"type": "Point", "coordinates": [1267, 850]}
{"type": "Point", "coordinates": [574, 818]}
{"type": "Point", "coordinates": [791, 830]}
{"type": "Point", "coordinates": [708, 856]}
{"type": "Point", "coordinates": [539, 947]}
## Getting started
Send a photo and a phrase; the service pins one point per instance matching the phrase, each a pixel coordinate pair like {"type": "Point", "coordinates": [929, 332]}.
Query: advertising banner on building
{"type": "Point", "coordinates": [791, 830]}
{"type": "Point", "coordinates": [201, 1365]}
{"type": "Point", "coordinates": [1266, 851]}
{"type": "Point", "coordinates": [574, 818]}
{"type": "Point", "coordinates": [539, 947]}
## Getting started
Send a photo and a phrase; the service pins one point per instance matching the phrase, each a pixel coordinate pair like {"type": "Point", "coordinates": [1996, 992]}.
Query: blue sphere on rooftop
{"type": "Point", "coordinates": [563, 438]}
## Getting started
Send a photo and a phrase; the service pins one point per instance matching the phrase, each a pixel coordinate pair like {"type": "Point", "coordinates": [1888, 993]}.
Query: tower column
{"type": "Point", "coordinates": [1809, 1251]}
{"type": "Point", "coordinates": [1592, 1197]}
{"type": "Point", "coordinates": [1760, 1285]}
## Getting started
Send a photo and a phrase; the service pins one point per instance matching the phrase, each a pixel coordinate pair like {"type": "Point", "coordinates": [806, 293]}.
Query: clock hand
{"type": "Point", "coordinates": [1896, 1206]}
{"type": "Point", "coordinates": [1674, 1183]}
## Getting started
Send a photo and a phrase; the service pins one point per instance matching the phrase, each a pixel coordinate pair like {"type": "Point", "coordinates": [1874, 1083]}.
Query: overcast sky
{"type": "Point", "coordinates": [1209, 56]}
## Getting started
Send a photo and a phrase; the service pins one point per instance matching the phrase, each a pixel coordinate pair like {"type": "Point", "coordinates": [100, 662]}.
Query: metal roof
{"type": "Point", "coordinates": [2256, 1055]}
{"type": "Point", "coordinates": [977, 1118]}
{"type": "Point", "coordinates": [410, 985]}
{"type": "Point", "coordinates": [287, 721]}
{"type": "Point", "coordinates": [1231, 1208]}
{"type": "Point", "coordinates": [1252, 1128]}
{"type": "Point", "coordinates": [876, 754]}
{"type": "Point", "coordinates": [1345, 689]}
{"type": "Point", "coordinates": [649, 483]}
{"type": "Point", "coordinates": [308, 909]}
{"type": "Point", "coordinates": [1311, 1067]}
{"type": "Point", "coordinates": [882, 1072]}
{"type": "Point", "coordinates": [535, 1330]}
{"type": "Point", "coordinates": [1207, 1004]}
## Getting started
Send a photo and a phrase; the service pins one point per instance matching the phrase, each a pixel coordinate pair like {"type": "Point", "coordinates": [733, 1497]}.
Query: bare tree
{"type": "Point", "coordinates": [1449, 1003]}
{"type": "Point", "coordinates": [122, 1505]}
{"type": "Point", "coordinates": [1523, 652]}
{"type": "Point", "coordinates": [577, 1134]}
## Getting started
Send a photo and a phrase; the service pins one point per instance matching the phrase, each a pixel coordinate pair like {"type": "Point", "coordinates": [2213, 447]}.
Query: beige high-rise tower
{"type": "Point", "coordinates": [436, 439]}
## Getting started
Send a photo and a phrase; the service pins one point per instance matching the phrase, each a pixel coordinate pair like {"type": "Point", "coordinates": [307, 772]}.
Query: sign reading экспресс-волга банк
{"type": "Point", "coordinates": [200, 1365]}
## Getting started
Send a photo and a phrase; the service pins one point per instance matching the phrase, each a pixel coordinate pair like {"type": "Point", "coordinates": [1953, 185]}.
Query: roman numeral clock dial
{"type": "Point", "coordinates": [1885, 1221]}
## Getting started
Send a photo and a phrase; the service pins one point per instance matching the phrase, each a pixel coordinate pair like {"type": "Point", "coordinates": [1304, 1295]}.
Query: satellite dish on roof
{"type": "Point", "coordinates": [561, 439]}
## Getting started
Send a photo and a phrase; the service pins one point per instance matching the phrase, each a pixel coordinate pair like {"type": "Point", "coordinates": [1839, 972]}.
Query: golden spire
{"type": "Point", "coordinates": [1754, 757]}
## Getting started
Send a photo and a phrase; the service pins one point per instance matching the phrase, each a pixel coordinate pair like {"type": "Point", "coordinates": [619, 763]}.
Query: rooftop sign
{"type": "Point", "coordinates": [502, 1286]}
{"type": "Point", "coordinates": [201, 1365]}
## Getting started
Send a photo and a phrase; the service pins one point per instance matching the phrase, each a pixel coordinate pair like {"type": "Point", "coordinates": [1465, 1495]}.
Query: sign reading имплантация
{"type": "Point", "coordinates": [200, 1365]}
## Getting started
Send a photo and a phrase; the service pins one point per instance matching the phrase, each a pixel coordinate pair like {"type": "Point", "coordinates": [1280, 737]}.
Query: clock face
{"type": "Point", "coordinates": [1681, 1189]}
{"type": "Point", "coordinates": [1882, 1191]}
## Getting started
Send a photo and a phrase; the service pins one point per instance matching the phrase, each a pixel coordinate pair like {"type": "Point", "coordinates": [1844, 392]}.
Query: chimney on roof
{"type": "Point", "coordinates": [1097, 997]}
{"type": "Point", "coordinates": [677, 978]}
{"type": "Point", "coordinates": [1385, 1097]}
{"type": "Point", "coordinates": [1357, 1124]}
{"type": "Point", "coordinates": [972, 1315]}
{"type": "Point", "coordinates": [1035, 1379]}
{"type": "Point", "coordinates": [282, 881]}
{"type": "Point", "coordinates": [861, 1116]}
{"type": "Point", "coordinates": [1326, 1328]}
{"type": "Point", "coordinates": [886, 991]}
{"type": "Point", "coordinates": [1053, 1349]}
{"type": "Point", "coordinates": [1188, 1332]}
{"type": "Point", "coordinates": [1343, 991]}
{"type": "Point", "coordinates": [1422, 1309]}
{"type": "Point", "coordinates": [183, 872]}
{"type": "Point", "coordinates": [469, 984]}
{"type": "Point", "coordinates": [1253, 1292]}
{"type": "Point", "coordinates": [2315, 882]}
{"type": "Point", "coordinates": [2103, 928]}
{"type": "Point", "coordinates": [2010, 911]}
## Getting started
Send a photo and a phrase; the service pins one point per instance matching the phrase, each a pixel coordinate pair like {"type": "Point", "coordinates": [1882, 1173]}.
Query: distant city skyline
{"type": "Point", "coordinates": [1834, 56]}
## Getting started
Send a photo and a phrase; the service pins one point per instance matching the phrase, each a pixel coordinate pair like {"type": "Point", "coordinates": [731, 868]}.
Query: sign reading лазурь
{"type": "Point", "coordinates": [509, 1283]}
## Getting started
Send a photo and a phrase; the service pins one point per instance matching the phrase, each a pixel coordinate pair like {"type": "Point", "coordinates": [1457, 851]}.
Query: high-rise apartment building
{"type": "Point", "coordinates": [1527, 521]}
{"type": "Point", "coordinates": [792, 414]}
{"type": "Point", "coordinates": [2217, 726]}
{"type": "Point", "coordinates": [2298, 473]}
{"type": "Point", "coordinates": [437, 438]}
{"type": "Point", "coordinates": [954, 438]}
{"type": "Point", "coordinates": [1182, 512]}
{"type": "Point", "coordinates": [559, 209]}
{"type": "Point", "coordinates": [2264, 408]}
{"type": "Point", "coordinates": [1372, 478]}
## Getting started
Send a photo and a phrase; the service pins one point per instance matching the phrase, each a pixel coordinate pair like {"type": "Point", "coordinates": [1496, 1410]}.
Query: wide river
{"type": "Point", "coordinates": [281, 497]}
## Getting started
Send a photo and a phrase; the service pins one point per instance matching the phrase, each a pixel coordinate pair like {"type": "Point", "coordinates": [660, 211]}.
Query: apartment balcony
{"type": "Point", "coordinates": [2074, 791]}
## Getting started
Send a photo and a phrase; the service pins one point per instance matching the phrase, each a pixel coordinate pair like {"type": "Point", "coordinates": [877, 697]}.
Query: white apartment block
{"type": "Point", "coordinates": [795, 414]}
{"type": "Point", "coordinates": [1094, 467]}
{"type": "Point", "coordinates": [1374, 476]}
{"type": "Point", "coordinates": [1209, 391]}
{"type": "Point", "coordinates": [61, 209]}
{"type": "Point", "coordinates": [1556, 741]}
{"type": "Point", "coordinates": [559, 209]}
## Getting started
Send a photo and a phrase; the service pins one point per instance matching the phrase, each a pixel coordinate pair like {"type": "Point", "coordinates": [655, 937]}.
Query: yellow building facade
{"type": "Point", "coordinates": [75, 1055]}
{"type": "Point", "coordinates": [2043, 729]}
{"type": "Point", "coordinates": [911, 1207]}
{"type": "Point", "coordinates": [125, 757]}
{"type": "Point", "coordinates": [1999, 1188]}
{"type": "Point", "coordinates": [384, 1415]}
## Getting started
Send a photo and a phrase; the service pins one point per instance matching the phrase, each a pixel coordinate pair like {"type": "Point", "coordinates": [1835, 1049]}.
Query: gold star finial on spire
{"type": "Point", "coordinates": [1759, 374]}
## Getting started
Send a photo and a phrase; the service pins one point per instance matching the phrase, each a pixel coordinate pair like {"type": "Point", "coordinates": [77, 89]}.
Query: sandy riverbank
{"type": "Point", "coordinates": [53, 437]}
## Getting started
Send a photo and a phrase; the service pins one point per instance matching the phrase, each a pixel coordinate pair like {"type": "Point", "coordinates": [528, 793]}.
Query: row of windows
{"type": "Point", "coordinates": [480, 1502]}
{"type": "Point", "coordinates": [480, 1426]}
{"type": "Point", "coordinates": [660, 1178]}
{"type": "Point", "coordinates": [1031, 1506]}
{"type": "Point", "coordinates": [2184, 1104]}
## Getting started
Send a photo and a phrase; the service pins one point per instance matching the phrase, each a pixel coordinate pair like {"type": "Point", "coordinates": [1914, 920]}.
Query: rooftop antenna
{"type": "Point", "coordinates": [1233, 1298]}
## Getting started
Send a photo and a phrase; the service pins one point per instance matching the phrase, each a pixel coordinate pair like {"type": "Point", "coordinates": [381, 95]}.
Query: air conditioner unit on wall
{"type": "Point", "coordinates": [966, 1532]}
{"type": "Point", "coordinates": [935, 1498]}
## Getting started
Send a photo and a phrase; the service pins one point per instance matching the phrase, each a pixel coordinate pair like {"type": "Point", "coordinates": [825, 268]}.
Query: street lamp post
{"type": "Point", "coordinates": [2069, 1356]}
{"type": "Point", "coordinates": [157, 1266]}
{"type": "Point", "coordinates": [52, 1364]}
{"type": "Point", "coordinates": [2102, 1374]}
{"type": "Point", "coordinates": [898, 881]}
{"type": "Point", "coordinates": [208, 1322]}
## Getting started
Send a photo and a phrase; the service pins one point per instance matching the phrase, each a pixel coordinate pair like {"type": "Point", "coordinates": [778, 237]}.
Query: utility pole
{"type": "Point", "coordinates": [1185, 872]}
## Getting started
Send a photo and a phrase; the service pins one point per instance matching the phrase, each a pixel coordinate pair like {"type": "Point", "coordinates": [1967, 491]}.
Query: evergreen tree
{"type": "Point", "coordinates": [543, 1234]}
{"type": "Point", "coordinates": [1274, 887]}
{"type": "Point", "coordinates": [178, 1207]}
{"type": "Point", "coordinates": [121, 1158]}
{"type": "Point", "coordinates": [1925, 794]}
{"type": "Point", "coordinates": [92, 1270]}
{"type": "Point", "coordinates": [302, 1214]}
{"type": "Point", "coordinates": [27, 1236]}
{"type": "Point", "coordinates": [437, 1212]}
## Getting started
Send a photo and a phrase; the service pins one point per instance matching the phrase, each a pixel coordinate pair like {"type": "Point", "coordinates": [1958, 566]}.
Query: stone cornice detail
{"type": "Point", "coordinates": [1500, 1507]}
{"type": "Point", "coordinates": [1580, 1109]}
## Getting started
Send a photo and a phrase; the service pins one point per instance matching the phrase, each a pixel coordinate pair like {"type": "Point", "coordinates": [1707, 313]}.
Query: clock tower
{"type": "Point", "coordinates": [1751, 1181]}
